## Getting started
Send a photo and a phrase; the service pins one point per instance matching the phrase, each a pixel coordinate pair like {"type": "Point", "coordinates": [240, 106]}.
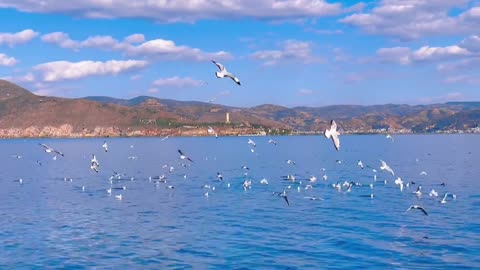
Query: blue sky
{"type": "Point", "coordinates": [286, 52]}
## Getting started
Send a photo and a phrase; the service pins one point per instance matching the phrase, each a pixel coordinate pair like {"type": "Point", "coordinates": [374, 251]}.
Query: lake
{"type": "Point", "coordinates": [47, 222]}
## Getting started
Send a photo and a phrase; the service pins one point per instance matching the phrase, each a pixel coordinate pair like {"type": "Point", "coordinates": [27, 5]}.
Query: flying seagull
{"type": "Point", "coordinates": [333, 133]}
{"type": "Point", "coordinates": [272, 142]}
{"type": "Point", "coordinates": [385, 167]}
{"type": "Point", "coordinates": [210, 130]}
{"type": "Point", "coordinates": [419, 208]}
{"type": "Point", "coordinates": [48, 149]}
{"type": "Point", "coordinates": [105, 146]}
{"type": "Point", "coordinates": [389, 137]}
{"type": "Point", "coordinates": [224, 73]}
{"type": "Point", "coordinates": [360, 164]}
{"type": "Point", "coordinates": [95, 164]}
{"type": "Point", "coordinates": [182, 156]}
{"type": "Point", "coordinates": [252, 143]}
{"type": "Point", "coordinates": [219, 176]}
{"type": "Point", "coordinates": [283, 195]}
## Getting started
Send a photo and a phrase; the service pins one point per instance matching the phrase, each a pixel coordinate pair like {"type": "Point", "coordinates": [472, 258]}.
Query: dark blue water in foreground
{"type": "Point", "coordinates": [49, 223]}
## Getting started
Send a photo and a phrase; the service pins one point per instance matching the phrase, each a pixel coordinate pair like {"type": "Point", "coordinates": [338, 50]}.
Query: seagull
{"type": "Point", "coordinates": [210, 130]}
{"type": "Point", "coordinates": [419, 208]}
{"type": "Point", "coordinates": [264, 181]}
{"type": "Point", "coordinates": [272, 142]}
{"type": "Point", "coordinates": [224, 73]}
{"type": "Point", "coordinates": [105, 146]}
{"type": "Point", "coordinates": [212, 100]}
{"type": "Point", "coordinates": [360, 164]}
{"type": "Point", "coordinates": [399, 182]}
{"type": "Point", "coordinates": [219, 176]}
{"type": "Point", "coordinates": [333, 133]}
{"type": "Point", "coordinates": [119, 197]}
{"type": "Point", "coordinates": [17, 156]}
{"type": "Point", "coordinates": [164, 138]}
{"type": "Point", "coordinates": [325, 177]}
{"type": "Point", "coordinates": [48, 149]}
{"type": "Point", "coordinates": [433, 193]}
{"type": "Point", "coordinates": [423, 173]}
{"type": "Point", "coordinates": [252, 142]}
{"type": "Point", "coordinates": [182, 156]}
{"type": "Point", "coordinates": [389, 137]}
{"type": "Point", "coordinates": [283, 195]}
{"type": "Point", "coordinates": [95, 164]}
{"type": "Point", "coordinates": [385, 167]}
{"type": "Point", "coordinates": [291, 162]}
{"type": "Point", "coordinates": [419, 190]}
{"type": "Point", "coordinates": [444, 200]}
{"type": "Point", "coordinates": [245, 167]}
{"type": "Point", "coordinates": [247, 184]}
{"type": "Point", "coordinates": [312, 179]}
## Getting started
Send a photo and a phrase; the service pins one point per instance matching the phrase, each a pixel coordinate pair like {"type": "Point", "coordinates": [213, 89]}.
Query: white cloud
{"type": "Point", "coordinates": [12, 39]}
{"type": "Point", "coordinates": [185, 10]}
{"type": "Point", "coordinates": [153, 90]}
{"type": "Point", "coordinates": [292, 50]}
{"type": "Point", "coordinates": [398, 55]}
{"type": "Point", "coordinates": [324, 31]}
{"type": "Point", "coordinates": [305, 92]}
{"type": "Point", "coordinates": [178, 82]}
{"type": "Point", "coordinates": [159, 49]}
{"type": "Point", "coordinates": [463, 79]}
{"type": "Point", "coordinates": [64, 70]}
{"type": "Point", "coordinates": [426, 53]}
{"type": "Point", "coordinates": [60, 39]}
{"type": "Point", "coordinates": [404, 56]}
{"type": "Point", "coordinates": [471, 43]}
{"type": "Point", "coordinates": [454, 96]}
{"type": "Point", "coordinates": [135, 38]}
{"type": "Point", "coordinates": [464, 64]}
{"type": "Point", "coordinates": [412, 19]}
{"type": "Point", "coordinates": [6, 60]}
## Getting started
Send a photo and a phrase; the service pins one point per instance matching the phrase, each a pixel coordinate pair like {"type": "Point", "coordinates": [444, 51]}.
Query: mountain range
{"type": "Point", "coordinates": [24, 114]}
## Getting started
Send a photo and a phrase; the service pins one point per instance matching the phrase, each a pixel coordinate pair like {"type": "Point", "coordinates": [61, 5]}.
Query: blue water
{"type": "Point", "coordinates": [46, 222]}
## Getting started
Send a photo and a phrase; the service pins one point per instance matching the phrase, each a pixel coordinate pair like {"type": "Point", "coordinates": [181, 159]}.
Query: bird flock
{"type": "Point", "coordinates": [290, 182]}
{"type": "Point", "coordinates": [293, 182]}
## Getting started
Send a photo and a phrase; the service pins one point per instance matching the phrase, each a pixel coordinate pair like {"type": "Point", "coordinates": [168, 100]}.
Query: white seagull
{"type": "Point", "coordinates": [222, 73]}
{"type": "Point", "coordinates": [333, 133]}
{"type": "Point", "coordinates": [419, 208]}
{"type": "Point", "coordinates": [182, 156]}
{"type": "Point", "coordinates": [48, 149]}
{"type": "Point", "coordinates": [210, 130]}
{"type": "Point", "coordinates": [389, 137]}
{"type": "Point", "coordinates": [105, 146]}
{"type": "Point", "coordinates": [252, 143]}
{"type": "Point", "coordinates": [95, 164]}
{"type": "Point", "coordinates": [360, 164]}
{"type": "Point", "coordinates": [272, 142]}
{"type": "Point", "coordinates": [385, 167]}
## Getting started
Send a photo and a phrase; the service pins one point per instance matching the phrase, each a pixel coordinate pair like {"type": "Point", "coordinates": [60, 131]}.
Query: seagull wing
{"type": "Point", "coordinates": [235, 79]}
{"type": "Point", "coordinates": [423, 210]}
{"type": "Point", "coordinates": [333, 125]}
{"type": "Point", "coordinates": [336, 140]}
{"type": "Point", "coordinates": [44, 146]}
{"type": "Point", "coordinates": [286, 200]}
{"type": "Point", "coordinates": [220, 66]}
{"type": "Point", "coordinates": [60, 153]}
{"type": "Point", "coordinates": [180, 152]}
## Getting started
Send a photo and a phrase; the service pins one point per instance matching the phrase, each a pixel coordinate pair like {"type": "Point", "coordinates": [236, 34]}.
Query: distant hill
{"type": "Point", "coordinates": [24, 112]}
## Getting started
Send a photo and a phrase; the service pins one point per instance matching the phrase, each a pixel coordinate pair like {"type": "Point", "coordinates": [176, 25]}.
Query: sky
{"type": "Point", "coordinates": [285, 52]}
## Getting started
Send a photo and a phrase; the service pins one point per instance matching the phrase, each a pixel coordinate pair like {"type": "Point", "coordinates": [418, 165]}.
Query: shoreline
{"type": "Point", "coordinates": [225, 136]}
